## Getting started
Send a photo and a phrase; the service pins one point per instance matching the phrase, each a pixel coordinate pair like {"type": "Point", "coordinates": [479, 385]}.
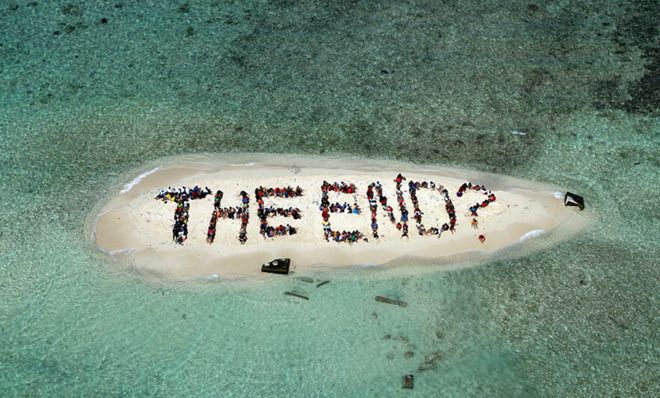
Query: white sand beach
{"type": "Point", "coordinates": [136, 227]}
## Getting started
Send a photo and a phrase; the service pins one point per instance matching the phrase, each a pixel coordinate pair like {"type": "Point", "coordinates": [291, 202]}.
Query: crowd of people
{"type": "Point", "coordinates": [382, 200]}
{"type": "Point", "coordinates": [490, 197]}
{"type": "Point", "coordinates": [180, 228]}
{"type": "Point", "coordinates": [344, 208]}
{"type": "Point", "coordinates": [327, 208]}
{"type": "Point", "coordinates": [182, 197]}
{"type": "Point", "coordinates": [232, 213]}
{"type": "Point", "coordinates": [417, 215]}
{"type": "Point", "coordinates": [173, 194]}
{"type": "Point", "coordinates": [341, 187]}
{"type": "Point", "coordinates": [268, 231]}
{"type": "Point", "coordinates": [373, 206]}
{"type": "Point", "coordinates": [272, 211]}
{"type": "Point", "coordinates": [403, 224]}
{"type": "Point", "coordinates": [376, 189]}
{"type": "Point", "coordinates": [284, 192]}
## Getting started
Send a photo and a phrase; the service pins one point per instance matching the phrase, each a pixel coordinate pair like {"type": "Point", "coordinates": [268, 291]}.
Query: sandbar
{"type": "Point", "coordinates": [137, 229]}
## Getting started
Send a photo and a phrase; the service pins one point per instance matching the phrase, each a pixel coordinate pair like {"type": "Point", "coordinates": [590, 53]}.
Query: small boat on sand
{"type": "Point", "coordinates": [571, 199]}
{"type": "Point", "coordinates": [278, 266]}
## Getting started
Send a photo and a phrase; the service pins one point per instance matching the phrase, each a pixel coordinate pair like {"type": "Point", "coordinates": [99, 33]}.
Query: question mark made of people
{"type": "Point", "coordinates": [490, 198]}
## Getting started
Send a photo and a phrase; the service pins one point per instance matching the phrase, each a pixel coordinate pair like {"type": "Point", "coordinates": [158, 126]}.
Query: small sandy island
{"type": "Point", "coordinates": [320, 212]}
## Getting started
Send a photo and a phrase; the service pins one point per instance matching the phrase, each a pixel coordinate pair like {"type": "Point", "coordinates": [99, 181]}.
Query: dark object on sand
{"type": "Point", "coordinates": [296, 294]}
{"type": "Point", "coordinates": [408, 381]}
{"type": "Point", "coordinates": [279, 266]}
{"type": "Point", "coordinates": [571, 199]}
{"type": "Point", "coordinates": [322, 283]}
{"type": "Point", "coordinates": [391, 301]}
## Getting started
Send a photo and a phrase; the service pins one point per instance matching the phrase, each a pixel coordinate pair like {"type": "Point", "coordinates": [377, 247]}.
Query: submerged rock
{"type": "Point", "coordinates": [430, 361]}
{"type": "Point", "coordinates": [408, 382]}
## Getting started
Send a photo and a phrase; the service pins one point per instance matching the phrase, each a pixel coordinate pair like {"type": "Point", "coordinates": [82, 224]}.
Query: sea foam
{"type": "Point", "coordinates": [127, 251]}
{"type": "Point", "coordinates": [532, 234]}
{"type": "Point", "coordinates": [137, 180]}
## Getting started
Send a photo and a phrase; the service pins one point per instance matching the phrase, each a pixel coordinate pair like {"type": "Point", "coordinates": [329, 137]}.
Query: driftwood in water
{"type": "Point", "coordinates": [322, 283]}
{"type": "Point", "coordinates": [408, 381]}
{"type": "Point", "coordinates": [296, 294]}
{"type": "Point", "coordinates": [391, 301]}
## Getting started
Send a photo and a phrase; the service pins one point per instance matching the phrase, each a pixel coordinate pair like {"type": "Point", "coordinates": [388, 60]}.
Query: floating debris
{"type": "Point", "coordinates": [391, 301]}
{"type": "Point", "coordinates": [518, 132]}
{"type": "Point", "coordinates": [296, 294]}
{"type": "Point", "coordinates": [408, 382]}
{"type": "Point", "coordinates": [322, 283]}
{"type": "Point", "coordinates": [305, 279]}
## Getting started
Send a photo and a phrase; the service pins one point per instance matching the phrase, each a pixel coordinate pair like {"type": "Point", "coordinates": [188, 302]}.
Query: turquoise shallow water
{"type": "Point", "coordinates": [433, 82]}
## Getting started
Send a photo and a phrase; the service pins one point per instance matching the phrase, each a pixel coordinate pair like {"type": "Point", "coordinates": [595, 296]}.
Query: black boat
{"type": "Point", "coordinates": [571, 199]}
{"type": "Point", "coordinates": [278, 266]}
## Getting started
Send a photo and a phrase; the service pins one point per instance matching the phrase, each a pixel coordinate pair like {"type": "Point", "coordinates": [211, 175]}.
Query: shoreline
{"type": "Point", "coordinates": [135, 228]}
